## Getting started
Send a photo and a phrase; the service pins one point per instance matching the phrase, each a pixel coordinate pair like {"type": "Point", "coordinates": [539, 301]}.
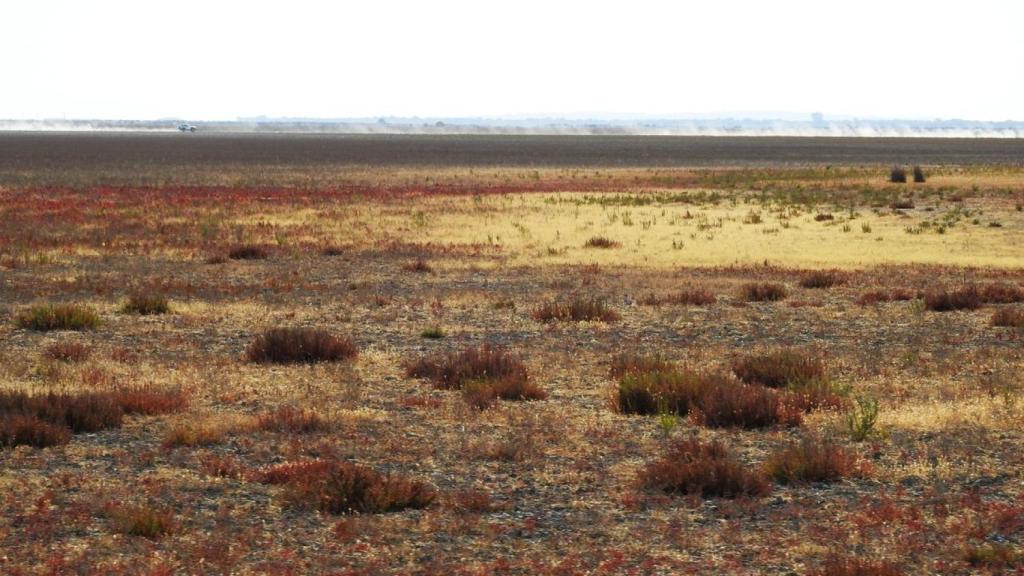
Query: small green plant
{"type": "Point", "coordinates": [862, 418]}
{"type": "Point", "coordinates": [433, 333]}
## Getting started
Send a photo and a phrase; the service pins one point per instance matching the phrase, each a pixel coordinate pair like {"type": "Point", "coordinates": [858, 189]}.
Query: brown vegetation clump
{"type": "Point", "coordinates": [80, 413]}
{"type": "Point", "coordinates": [665, 391]}
{"type": "Point", "coordinates": [822, 279]}
{"type": "Point", "coordinates": [72, 352]}
{"type": "Point", "coordinates": [733, 404]}
{"type": "Point", "coordinates": [299, 346]}
{"type": "Point", "coordinates": [578, 309]}
{"type": "Point", "coordinates": [918, 175]}
{"type": "Point", "coordinates": [484, 374]}
{"type": "Point", "coordinates": [705, 470]}
{"type": "Point", "coordinates": [248, 252]}
{"type": "Point", "coordinates": [345, 488]}
{"type": "Point", "coordinates": [763, 292]}
{"type": "Point", "coordinates": [686, 297]}
{"type": "Point", "coordinates": [141, 520]}
{"type": "Point", "coordinates": [146, 304]}
{"type": "Point", "coordinates": [1001, 293]}
{"type": "Point", "coordinates": [20, 430]}
{"type": "Point", "coordinates": [824, 217]}
{"type": "Point", "coordinates": [966, 298]}
{"type": "Point", "coordinates": [601, 242]}
{"type": "Point", "coordinates": [293, 420]}
{"type": "Point", "coordinates": [812, 460]}
{"type": "Point", "coordinates": [779, 368]}
{"type": "Point", "coordinates": [873, 297]}
{"type": "Point", "coordinates": [1008, 318]}
{"type": "Point", "coordinates": [46, 317]}
{"type": "Point", "coordinates": [420, 266]}
{"type": "Point", "coordinates": [837, 565]}
{"type": "Point", "coordinates": [898, 175]}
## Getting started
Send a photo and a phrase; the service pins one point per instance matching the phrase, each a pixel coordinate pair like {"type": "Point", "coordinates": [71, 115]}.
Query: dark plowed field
{"type": "Point", "coordinates": [34, 151]}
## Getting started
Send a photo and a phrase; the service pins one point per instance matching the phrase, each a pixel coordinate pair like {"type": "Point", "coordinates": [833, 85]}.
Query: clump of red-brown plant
{"type": "Point", "coordinates": [705, 470]}
{"type": "Point", "coordinates": [577, 309]}
{"type": "Point", "coordinates": [299, 346]}
{"type": "Point", "coordinates": [812, 460]}
{"type": "Point", "coordinates": [484, 374]}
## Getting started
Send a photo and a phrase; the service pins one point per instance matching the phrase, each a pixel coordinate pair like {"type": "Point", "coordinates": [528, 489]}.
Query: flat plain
{"type": "Point", "coordinates": [283, 354]}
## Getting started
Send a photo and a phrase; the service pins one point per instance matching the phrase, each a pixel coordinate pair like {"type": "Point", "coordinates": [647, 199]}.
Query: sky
{"type": "Point", "coordinates": [220, 60]}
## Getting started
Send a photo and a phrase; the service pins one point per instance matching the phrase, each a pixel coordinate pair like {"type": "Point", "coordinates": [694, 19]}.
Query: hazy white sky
{"type": "Point", "coordinates": [211, 59]}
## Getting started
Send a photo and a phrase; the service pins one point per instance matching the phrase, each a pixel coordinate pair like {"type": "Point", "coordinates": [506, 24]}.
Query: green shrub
{"type": "Point", "coordinates": [45, 317]}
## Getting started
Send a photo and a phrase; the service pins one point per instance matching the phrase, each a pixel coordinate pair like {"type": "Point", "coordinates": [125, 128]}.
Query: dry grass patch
{"type": "Point", "coordinates": [966, 298]}
{"type": "Point", "coordinates": [20, 430]}
{"type": "Point", "coordinates": [779, 368]}
{"type": "Point", "coordinates": [705, 470]}
{"type": "Point", "coordinates": [141, 520]}
{"type": "Point", "coordinates": [292, 420]}
{"type": "Point", "coordinates": [822, 279]}
{"type": "Point", "coordinates": [684, 297]}
{"type": "Point", "coordinates": [1008, 318]}
{"type": "Point", "coordinates": [71, 352]}
{"type": "Point", "coordinates": [838, 565]}
{"type": "Point", "coordinates": [207, 430]}
{"type": "Point", "coordinates": [46, 317]}
{"type": "Point", "coordinates": [873, 297]}
{"type": "Point", "coordinates": [248, 252]}
{"type": "Point", "coordinates": [637, 363]}
{"type": "Point", "coordinates": [484, 374]}
{"type": "Point", "coordinates": [601, 242]}
{"type": "Point", "coordinates": [299, 346]}
{"type": "Point", "coordinates": [146, 304]}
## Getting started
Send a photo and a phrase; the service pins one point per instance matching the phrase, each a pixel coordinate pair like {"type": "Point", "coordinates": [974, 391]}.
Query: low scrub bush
{"type": "Point", "coordinates": [705, 470]}
{"type": "Point", "coordinates": [918, 175]}
{"type": "Point", "coordinates": [483, 373]}
{"type": "Point", "coordinates": [664, 391]}
{"type": "Point", "coordinates": [811, 460]}
{"type": "Point", "coordinates": [902, 204]}
{"type": "Point", "coordinates": [685, 297]}
{"type": "Point", "coordinates": [80, 413]}
{"type": "Point", "coordinates": [733, 404]}
{"type": "Point", "coordinates": [72, 352]}
{"type": "Point", "coordinates": [150, 401]}
{"type": "Point", "coordinates": [46, 317]}
{"type": "Point", "coordinates": [898, 175]}
{"type": "Point", "coordinates": [19, 430]}
{"type": "Point", "coordinates": [1001, 294]}
{"type": "Point", "coordinates": [824, 217]}
{"type": "Point", "coordinates": [578, 309]}
{"type": "Point", "coordinates": [601, 242]}
{"type": "Point", "coordinates": [293, 420]}
{"type": "Point", "coordinates": [1008, 318]}
{"type": "Point", "coordinates": [822, 279]}
{"type": "Point", "coordinates": [346, 488]}
{"type": "Point", "coordinates": [861, 419]}
{"type": "Point", "coordinates": [763, 292]}
{"type": "Point", "coordinates": [299, 346]}
{"type": "Point", "coordinates": [433, 333]}
{"type": "Point", "coordinates": [141, 520]}
{"type": "Point", "coordinates": [248, 252]}
{"type": "Point", "coordinates": [837, 565]}
{"type": "Point", "coordinates": [779, 368]}
{"type": "Point", "coordinates": [965, 298]}
{"type": "Point", "coordinates": [146, 304]}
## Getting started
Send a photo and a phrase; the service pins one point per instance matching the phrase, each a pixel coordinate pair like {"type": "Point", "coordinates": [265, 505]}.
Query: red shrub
{"type": "Point", "coordinates": [1001, 294]}
{"type": "Point", "coordinates": [248, 252]}
{"type": "Point", "coordinates": [346, 488]}
{"type": "Point", "coordinates": [704, 470]}
{"type": "Point", "coordinates": [736, 405]}
{"type": "Point", "coordinates": [484, 374]}
{"type": "Point", "coordinates": [1009, 318]}
{"type": "Point", "coordinates": [81, 413]}
{"type": "Point", "coordinates": [299, 345]}
{"type": "Point", "coordinates": [601, 242]}
{"type": "Point", "coordinates": [635, 363]}
{"type": "Point", "coordinates": [822, 279]}
{"type": "Point", "coordinates": [150, 401]}
{"type": "Point", "coordinates": [876, 296]}
{"type": "Point", "coordinates": [811, 460]}
{"type": "Point", "coordinates": [836, 565]}
{"type": "Point", "coordinates": [419, 266]}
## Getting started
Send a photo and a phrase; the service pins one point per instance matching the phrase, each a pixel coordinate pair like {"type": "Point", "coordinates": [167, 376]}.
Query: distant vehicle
{"type": "Point", "coordinates": [186, 128]}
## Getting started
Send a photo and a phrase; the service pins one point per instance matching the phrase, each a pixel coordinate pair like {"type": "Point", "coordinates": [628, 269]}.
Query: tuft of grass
{"type": "Point", "coordinates": [293, 420]}
{"type": "Point", "coordinates": [966, 298]}
{"type": "Point", "coordinates": [873, 297]}
{"type": "Point", "coordinates": [822, 279]}
{"type": "Point", "coordinates": [763, 292]}
{"type": "Point", "coordinates": [664, 390]}
{"type": "Point", "coordinates": [346, 488]}
{"type": "Point", "coordinates": [248, 252]}
{"type": "Point", "coordinates": [20, 430]}
{"type": "Point", "coordinates": [150, 401]}
{"type": "Point", "coordinates": [578, 309]}
{"type": "Point", "coordinates": [861, 419]}
{"type": "Point", "coordinates": [46, 317]}
{"type": "Point", "coordinates": [72, 352]}
{"type": "Point", "coordinates": [705, 470]}
{"type": "Point", "coordinates": [299, 346]}
{"type": "Point", "coordinates": [1008, 318]}
{"type": "Point", "coordinates": [811, 460]}
{"type": "Point", "coordinates": [146, 304]}
{"type": "Point", "coordinates": [601, 242]}
{"type": "Point", "coordinates": [779, 368]}
{"type": "Point", "coordinates": [824, 217]}
{"type": "Point", "coordinates": [1001, 293]}
{"type": "Point", "coordinates": [141, 520]}
{"type": "Point", "coordinates": [80, 413]}
{"type": "Point", "coordinates": [733, 404]}
{"type": "Point", "coordinates": [484, 374]}
{"type": "Point", "coordinates": [898, 175]}
{"type": "Point", "coordinates": [433, 333]}
{"type": "Point", "coordinates": [685, 297]}
{"type": "Point", "coordinates": [919, 175]}
{"type": "Point", "coordinates": [332, 250]}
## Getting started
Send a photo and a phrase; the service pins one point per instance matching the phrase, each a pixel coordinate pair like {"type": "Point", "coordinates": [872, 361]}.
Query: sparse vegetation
{"type": "Point", "coordinates": [812, 460]}
{"type": "Point", "coordinates": [347, 488]}
{"type": "Point", "coordinates": [484, 374]}
{"type": "Point", "coordinates": [763, 292]}
{"type": "Point", "coordinates": [146, 303]}
{"type": "Point", "coordinates": [705, 470]}
{"type": "Point", "coordinates": [577, 309]}
{"type": "Point", "coordinates": [72, 352]}
{"type": "Point", "coordinates": [248, 252]}
{"type": "Point", "coordinates": [780, 368]}
{"type": "Point", "coordinates": [601, 242]}
{"type": "Point", "coordinates": [1008, 318]}
{"type": "Point", "coordinates": [965, 298]}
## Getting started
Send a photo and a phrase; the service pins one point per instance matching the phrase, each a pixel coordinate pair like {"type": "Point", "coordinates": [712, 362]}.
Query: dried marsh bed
{"type": "Point", "coordinates": [254, 472]}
